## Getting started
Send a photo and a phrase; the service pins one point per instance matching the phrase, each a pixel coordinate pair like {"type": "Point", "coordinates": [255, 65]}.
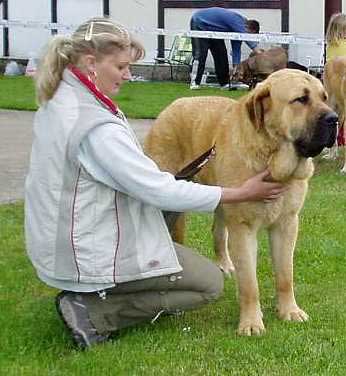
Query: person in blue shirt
{"type": "Point", "coordinates": [221, 20]}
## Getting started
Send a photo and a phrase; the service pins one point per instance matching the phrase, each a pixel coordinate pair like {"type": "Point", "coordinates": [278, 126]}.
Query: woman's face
{"type": "Point", "coordinates": [112, 71]}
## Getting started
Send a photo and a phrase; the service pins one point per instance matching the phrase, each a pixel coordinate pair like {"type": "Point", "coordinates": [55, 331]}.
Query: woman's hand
{"type": "Point", "coordinates": [254, 189]}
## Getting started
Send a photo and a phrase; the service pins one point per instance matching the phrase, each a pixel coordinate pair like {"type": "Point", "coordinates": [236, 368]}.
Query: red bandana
{"type": "Point", "coordinates": [85, 80]}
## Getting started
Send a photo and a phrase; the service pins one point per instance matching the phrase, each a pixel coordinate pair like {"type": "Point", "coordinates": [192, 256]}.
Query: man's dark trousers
{"type": "Point", "coordinates": [217, 47]}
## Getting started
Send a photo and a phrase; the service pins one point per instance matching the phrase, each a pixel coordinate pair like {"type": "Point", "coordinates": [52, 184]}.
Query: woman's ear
{"type": "Point", "coordinates": [89, 62]}
{"type": "Point", "coordinates": [257, 104]}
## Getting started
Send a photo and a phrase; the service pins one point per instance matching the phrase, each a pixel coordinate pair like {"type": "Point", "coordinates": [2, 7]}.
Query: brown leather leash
{"type": "Point", "coordinates": [188, 173]}
{"type": "Point", "coordinates": [196, 165]}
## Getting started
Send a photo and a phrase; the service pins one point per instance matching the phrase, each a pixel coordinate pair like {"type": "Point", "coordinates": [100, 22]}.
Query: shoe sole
{"type": "Point", "coordinates": [65, 310]}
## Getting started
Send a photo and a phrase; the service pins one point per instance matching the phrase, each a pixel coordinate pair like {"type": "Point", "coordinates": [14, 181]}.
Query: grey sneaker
{"type": "Point", "coordinates": [75, 316]}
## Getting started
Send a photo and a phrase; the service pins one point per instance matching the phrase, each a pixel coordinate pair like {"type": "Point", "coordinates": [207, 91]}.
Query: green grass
{"type": "Point", "coordinates": [33, 340]}
{"type": "Point", "coordinates": [17, 93]}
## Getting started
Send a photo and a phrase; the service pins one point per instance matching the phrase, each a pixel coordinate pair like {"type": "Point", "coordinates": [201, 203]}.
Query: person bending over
{"type": "Point", "coordinates": [221, 20]}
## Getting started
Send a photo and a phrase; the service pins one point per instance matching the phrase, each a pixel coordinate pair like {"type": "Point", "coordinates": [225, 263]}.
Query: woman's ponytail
{"type": "Point", "coordinates": [49, 74]}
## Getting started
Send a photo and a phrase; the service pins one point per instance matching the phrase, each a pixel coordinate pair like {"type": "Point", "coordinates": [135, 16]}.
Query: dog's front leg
{"type": "Point", "coordinates": [243, 250]}
{"type": "Point", "coordinates": [283, 236]}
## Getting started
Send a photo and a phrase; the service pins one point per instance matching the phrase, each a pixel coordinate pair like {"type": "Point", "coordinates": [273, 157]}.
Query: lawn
{"type": "Point", "coordinates": [17, 93]}
{"type": "Point", "coordinates": [203, 342]}
{"type": "Point", "coordinates": [33, 340]}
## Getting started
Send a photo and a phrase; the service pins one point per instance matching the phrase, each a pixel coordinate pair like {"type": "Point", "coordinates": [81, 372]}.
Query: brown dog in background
{"type": "Point", "coordinates": [260, 65]}
{"type": "Point", "coordinates": [279, 125]}
{"type": "Point", "coordinates": [334, 79]}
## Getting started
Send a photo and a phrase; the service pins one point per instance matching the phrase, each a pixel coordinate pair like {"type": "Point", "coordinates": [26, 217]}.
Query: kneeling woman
{"type": "Point", "coordinates": [93, 201]}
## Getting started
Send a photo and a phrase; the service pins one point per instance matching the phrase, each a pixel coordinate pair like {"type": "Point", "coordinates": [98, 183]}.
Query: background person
{"type": "Point", "coordinates": [221, 20]}
{"type": "Point", "coordinates": [93, 200]}
{"type": "Point", "coordinates": [335, 47]}
{"type": "Point", "coordinates": [336, 36]}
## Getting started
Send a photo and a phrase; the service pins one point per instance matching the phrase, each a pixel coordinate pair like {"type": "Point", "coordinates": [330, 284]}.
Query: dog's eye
{"type": "Point", "coordinates": [303, 100]}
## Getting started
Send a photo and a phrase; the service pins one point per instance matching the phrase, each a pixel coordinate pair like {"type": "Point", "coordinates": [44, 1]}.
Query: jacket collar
{"type": "Point", "coordinates": [92, 88]}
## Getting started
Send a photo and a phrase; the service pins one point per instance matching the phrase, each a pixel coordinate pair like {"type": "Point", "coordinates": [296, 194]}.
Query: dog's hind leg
{"type": "Point", "coordinates": [220, 236]}
{"type": "Point", "coordinates": [283, 236]}
{"type": "Point", "coordinates": [177, 230]}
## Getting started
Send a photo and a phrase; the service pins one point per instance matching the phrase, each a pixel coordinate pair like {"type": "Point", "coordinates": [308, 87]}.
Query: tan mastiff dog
{"type": "Point", "coordinates": [334, 78]}
{"type": "Point", "coordinates": [283, 122]}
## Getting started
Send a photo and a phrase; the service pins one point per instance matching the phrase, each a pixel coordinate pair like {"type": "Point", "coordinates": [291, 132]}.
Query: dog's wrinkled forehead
{"type": "Point", "coordinates": [288, 85]}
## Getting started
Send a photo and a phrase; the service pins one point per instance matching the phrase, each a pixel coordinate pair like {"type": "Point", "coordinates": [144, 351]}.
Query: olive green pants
{"type": "Point", "coordinates": [129, 303]}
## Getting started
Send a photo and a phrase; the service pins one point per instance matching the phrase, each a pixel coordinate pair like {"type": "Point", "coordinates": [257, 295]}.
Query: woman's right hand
{"type": "Point", "coordinates": [255, 188]}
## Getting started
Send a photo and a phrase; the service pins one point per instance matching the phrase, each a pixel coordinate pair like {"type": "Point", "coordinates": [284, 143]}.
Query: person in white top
{"type": "Point", "coordinates": [93, 200]}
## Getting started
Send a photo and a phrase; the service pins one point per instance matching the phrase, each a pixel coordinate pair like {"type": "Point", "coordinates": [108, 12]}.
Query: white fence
{"type": "Point", "coordinates": [296, 42]}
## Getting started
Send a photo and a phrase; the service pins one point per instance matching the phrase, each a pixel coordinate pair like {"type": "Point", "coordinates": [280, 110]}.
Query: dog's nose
{"type": "Point", "coordinates": [330, 119]}
{"type": "Point", "coordinates": [329, 127]}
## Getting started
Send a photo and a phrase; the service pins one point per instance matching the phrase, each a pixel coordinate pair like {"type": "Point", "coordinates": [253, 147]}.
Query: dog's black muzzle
{"type": "Point", "coordinates": [323, 135]}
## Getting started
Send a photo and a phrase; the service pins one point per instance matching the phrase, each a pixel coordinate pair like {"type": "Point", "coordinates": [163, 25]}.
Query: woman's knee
{"type": "Point", "coordinates": [200, 274]}
{"type": "Point", "coordinates": [214, 285]}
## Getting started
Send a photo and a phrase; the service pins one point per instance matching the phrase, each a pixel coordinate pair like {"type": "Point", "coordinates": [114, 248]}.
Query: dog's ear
{"type": "Point", "coordinates": [257, 104]}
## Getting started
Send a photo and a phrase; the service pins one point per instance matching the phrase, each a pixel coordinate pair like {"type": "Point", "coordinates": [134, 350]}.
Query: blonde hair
{"type": "Point", "coordinates": [97, 36]}
{"type": "Point", "coordinates": [336, 29]}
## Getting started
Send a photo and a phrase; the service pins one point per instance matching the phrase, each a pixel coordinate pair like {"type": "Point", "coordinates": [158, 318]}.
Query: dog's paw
{"type": "Point", "coordinates": [293, 314]}
{"type": "Point", "coordinates": [248, 327]}
{"type": "Point", "coordinates": [343, 170]}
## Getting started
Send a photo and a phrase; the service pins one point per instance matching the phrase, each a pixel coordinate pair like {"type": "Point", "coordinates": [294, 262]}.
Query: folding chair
{"type": "Point", "coordinates": [180, 53]}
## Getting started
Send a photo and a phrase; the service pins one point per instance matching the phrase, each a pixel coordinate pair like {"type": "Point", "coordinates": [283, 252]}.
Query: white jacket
{"type": "Point", "coordinates": [83, 230]}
